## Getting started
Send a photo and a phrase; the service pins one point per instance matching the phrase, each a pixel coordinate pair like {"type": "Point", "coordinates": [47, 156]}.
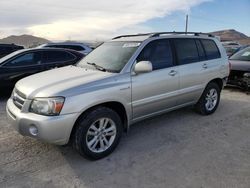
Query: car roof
{"type": "Point", "coordinates": [47, 49]}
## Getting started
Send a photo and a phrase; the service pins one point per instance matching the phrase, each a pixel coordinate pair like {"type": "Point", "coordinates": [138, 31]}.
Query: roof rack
{"type": "Point", "coordinates": [158, 34]}
{"type": "Point", "coordinates": [139, 34]}
{"type": "Point", "coordinates": [181, 33]}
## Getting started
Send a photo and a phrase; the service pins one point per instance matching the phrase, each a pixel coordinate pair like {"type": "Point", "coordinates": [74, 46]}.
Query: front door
{"type": "Point", "coordinates": [21, 66]}
{"type": "Point", "coordinates": [155, 91]}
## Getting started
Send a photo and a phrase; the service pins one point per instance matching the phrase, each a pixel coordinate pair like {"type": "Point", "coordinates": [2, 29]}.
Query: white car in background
{"type": "Point", "coordinates": [80, 47]}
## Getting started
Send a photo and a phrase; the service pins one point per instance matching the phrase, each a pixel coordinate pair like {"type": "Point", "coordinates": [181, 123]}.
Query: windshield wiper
{"type": "Point", "coordinates": [98, 67]}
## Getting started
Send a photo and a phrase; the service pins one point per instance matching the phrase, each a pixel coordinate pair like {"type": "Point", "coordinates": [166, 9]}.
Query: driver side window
{"type": "Point", "coordinates": [25, 60]}
{"type": "Point", "coordinates": [159, 53]}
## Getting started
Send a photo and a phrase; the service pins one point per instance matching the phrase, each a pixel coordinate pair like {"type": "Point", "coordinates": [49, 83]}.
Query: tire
{"type": "Point", "coordinates": [88, 129]}
{"type": "Point", "coordinates": [202, 106]}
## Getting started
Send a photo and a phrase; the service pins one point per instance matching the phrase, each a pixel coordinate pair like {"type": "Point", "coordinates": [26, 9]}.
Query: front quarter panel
{"type": "Point", "coordinates": [118, 89]}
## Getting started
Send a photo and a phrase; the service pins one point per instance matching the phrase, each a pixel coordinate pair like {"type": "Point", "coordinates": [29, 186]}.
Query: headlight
{"type": "Point", "coordinates": [47, 106]}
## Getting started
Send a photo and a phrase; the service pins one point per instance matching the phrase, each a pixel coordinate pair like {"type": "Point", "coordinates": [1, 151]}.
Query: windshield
{"type": "Point", "coordinates": [243, 55]}
{"type": "Point", "coordinates": [110, 56]}
{"type": "Point", "coordinates": [10, 55]}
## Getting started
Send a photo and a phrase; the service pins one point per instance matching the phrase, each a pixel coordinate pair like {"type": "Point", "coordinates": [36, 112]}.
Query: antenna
{"type": "Point", "coordinates": [186, 28]}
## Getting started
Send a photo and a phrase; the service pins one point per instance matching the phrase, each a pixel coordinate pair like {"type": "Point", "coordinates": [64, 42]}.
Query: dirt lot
{"type": "Point", "coordinates": [179, 149]}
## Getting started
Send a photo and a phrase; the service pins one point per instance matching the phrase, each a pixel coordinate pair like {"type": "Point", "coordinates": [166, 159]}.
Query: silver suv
{"type": "Point", "coordinates": [125, 80]}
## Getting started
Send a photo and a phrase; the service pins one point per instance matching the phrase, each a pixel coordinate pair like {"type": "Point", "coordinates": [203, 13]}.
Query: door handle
{"type": "Point", "coordinates": [172, 73]}
{"type": "Point", "coordinates": [204, 66]}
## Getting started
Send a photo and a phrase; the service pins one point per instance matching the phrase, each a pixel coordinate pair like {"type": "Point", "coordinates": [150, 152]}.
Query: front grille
{"type": "Point", "coordinates": [18, 98]}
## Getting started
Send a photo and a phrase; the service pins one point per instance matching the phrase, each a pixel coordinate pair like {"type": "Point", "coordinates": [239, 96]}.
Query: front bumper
{"type": "Point", "coordinates": [51, 129]}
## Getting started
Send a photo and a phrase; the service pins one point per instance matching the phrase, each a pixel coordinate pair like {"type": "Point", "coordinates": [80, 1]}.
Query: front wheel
{"type": "Point", "coordinates": [209, 101]}
{"type": "Point", "coordinates": [97, 133]}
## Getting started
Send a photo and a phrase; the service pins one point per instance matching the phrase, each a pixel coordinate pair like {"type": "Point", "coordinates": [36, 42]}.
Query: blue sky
{"type": "Point", "coordinates": [104, 19]}
{"type": "Point", "coordinates": [208, 16]}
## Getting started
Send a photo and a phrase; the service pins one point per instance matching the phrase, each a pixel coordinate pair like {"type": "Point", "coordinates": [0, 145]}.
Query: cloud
{"type": "Point", "coordinates": [84, 19]}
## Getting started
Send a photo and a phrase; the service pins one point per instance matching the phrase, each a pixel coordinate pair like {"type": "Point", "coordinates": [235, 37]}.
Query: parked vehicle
{"type": "Point", "coordinates": [240, 48]}
{"type": "Point", "coordinates": [240, 69]}
{"type": "Point", "coordinates": [6, 49]}
{"type": "Point", "coordinates": [80, 47]}
{"type": "Point", "coordinates": [23, 63]}
{"type": "Point", "coordinates": [231, 47]}
{"type": "Point", "coordinates": [123, 81]}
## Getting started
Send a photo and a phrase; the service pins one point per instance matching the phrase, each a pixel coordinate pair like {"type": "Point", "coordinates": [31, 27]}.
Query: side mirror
{"type": "Point", "coordinates": [143, 67]}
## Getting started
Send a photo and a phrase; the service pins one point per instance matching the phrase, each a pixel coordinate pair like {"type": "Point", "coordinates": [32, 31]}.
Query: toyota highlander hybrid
{"type": "Point", "coordinates": [125, 80]}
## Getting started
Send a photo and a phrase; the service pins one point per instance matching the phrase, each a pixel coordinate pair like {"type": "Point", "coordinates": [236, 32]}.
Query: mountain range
{"type": "Point", "coordinates": [232, 35]}
{"type": "Point", "coordinates": [32, 41]}
{"type": "Point", "coordinates": [27, 41]}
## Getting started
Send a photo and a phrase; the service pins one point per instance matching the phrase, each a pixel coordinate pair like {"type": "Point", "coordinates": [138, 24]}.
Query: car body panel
{"type": "Point", "coordinates": [154, 91]}
{"type": "Point", "coordinates": [240, 65]}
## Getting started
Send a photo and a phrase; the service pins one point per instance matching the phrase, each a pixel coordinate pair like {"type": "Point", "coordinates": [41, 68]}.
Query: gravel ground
{"type": "Point", "coordinates": [179, 149]}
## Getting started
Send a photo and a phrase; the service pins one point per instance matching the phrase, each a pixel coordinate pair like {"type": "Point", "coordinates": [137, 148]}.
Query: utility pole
{"type": "Point", "coordinates": [186, 29]}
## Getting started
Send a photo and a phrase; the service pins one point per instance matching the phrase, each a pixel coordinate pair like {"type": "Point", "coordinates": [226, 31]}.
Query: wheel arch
{"type": "Point", "coordinates": [218, 81]}
{"type": "Point", "coordinates": [118, 107]}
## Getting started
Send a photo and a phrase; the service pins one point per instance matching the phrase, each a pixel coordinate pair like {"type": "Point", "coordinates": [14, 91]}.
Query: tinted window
{"type": "Point", "coordinates": [25, 60]}
{"type": "Point", "coordinates": [158, 53]}
{"type": "Point", "coordinates": [201, 51]}
{"type": "Point", "coordinates": [211, 49]}
{"type": "Point", "coordinates": [57, 56]}
{"type": "Point", "coordinates": [186, 51]}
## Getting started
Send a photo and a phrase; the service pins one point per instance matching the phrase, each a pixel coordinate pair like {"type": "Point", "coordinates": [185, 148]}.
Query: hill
{"type": "Point", "coordinates": [24, 40]}
{"type": "Point", "coordinates": [232, 35]}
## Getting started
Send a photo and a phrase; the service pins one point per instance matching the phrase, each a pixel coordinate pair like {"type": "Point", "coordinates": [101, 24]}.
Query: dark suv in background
{"type": "Point", "coordinates": [6, 49]}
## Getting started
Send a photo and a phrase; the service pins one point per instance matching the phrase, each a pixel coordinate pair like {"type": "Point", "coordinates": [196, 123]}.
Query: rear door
{"type": "Point", "coordinates": [195, 67]}
{"type": "Point", "coordinates": [157, 90]}
{"type": "Point", "coordinates": [57, 58]}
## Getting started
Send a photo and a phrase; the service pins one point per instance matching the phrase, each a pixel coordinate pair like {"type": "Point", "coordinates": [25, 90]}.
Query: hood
{"type": "Point", "coordinates": [240, 65]}
{"type": "Point", "coordinates": [55, 82]}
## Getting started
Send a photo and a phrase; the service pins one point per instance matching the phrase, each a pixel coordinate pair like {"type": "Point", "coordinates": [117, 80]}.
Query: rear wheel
{"type": "Point", "coordinates": [209, 101]}
{"type": "Point", "coordinates": [97, 133]}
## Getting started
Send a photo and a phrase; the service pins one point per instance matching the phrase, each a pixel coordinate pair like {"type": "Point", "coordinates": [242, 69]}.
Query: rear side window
{"type": "Point", "coordinates": [186, 51]}
{"type": "Point", "coordinates": [212, 51]}
{"type": "Point", "coordinates": [158, 53]}
{"type": "Point", "coordinates": [201, 51]}
{"type": "Point", "coordinates": [57, 56]}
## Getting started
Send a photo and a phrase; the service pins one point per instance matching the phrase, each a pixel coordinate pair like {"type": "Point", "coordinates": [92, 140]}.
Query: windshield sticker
{"type": "Point", "coordinates": [131, 45]}
{"type": "Point", "coordinates": [246, 54]}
